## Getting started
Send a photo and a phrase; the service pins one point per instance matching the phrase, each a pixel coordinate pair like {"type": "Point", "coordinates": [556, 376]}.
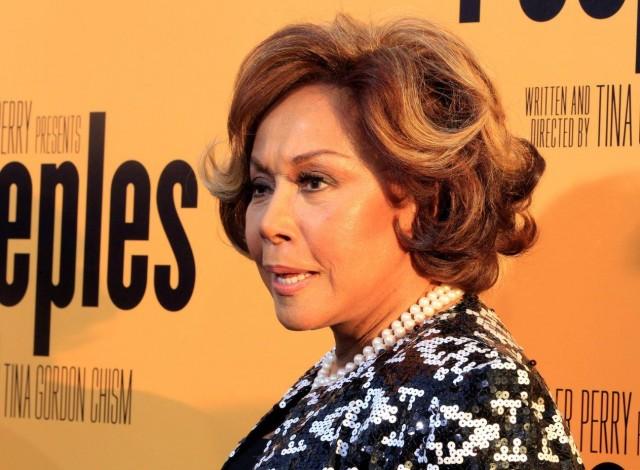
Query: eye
{"type": "Point", "coordinates": [258, 188]}
{"type": "Point", "coordinates": [312, 182]}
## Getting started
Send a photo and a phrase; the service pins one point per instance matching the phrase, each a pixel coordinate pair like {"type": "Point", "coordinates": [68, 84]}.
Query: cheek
{"type": "Point", "coordinates": [352, 229]}
{"type": "Point", "coordinates": [252, 233]}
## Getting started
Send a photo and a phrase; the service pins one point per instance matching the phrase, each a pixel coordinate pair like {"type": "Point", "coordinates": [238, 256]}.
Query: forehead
{"type": "Point", "coordinates": [308, 119]}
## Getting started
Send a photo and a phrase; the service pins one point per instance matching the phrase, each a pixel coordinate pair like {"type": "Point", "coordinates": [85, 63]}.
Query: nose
{"type": "Point", "coordinates": [277, 223]}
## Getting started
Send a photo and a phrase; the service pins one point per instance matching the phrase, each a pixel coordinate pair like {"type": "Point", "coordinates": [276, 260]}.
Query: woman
{"type": "Point", "coordinates": [374, 184]}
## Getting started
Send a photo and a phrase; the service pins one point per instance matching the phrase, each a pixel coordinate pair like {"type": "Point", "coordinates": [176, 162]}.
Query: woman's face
{"type": "Point", "coordinates": [319, 226]}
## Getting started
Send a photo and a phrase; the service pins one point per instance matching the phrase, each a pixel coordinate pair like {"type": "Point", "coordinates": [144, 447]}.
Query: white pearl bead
{"type": "Point", "coordinates": [427, 306]}
{"type": "Point", "coordinates": [409, 324]}
{"type": "Point", "coordinates": [399, 332]}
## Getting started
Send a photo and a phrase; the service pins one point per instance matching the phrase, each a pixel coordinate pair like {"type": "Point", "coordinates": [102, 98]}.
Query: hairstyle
{"type": "Point", "coordinates": [427, 119]}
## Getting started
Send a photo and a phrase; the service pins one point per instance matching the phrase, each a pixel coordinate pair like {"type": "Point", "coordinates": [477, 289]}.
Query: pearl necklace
{"type": "Point", "coordinates": [427, 306]}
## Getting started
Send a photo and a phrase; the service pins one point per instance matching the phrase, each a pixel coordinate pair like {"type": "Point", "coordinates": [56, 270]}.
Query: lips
{"type": "Point", "coordinates": [287, 280]}
{"type": "Point", "coordinates": [282, 269]}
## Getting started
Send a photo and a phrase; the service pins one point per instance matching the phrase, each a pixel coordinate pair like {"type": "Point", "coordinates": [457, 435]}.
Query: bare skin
{"type": "Point", "coordinates": [319, 212]}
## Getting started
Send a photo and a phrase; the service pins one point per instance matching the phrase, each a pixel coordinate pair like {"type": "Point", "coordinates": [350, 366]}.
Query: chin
{"type": "Point", "coordinates": [294, 320]}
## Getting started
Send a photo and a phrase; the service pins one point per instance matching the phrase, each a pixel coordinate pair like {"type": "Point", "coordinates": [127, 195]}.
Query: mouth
{"type": "Point", "coordinates": [290, 283]}
{"type": "Point", "coordinates": [289, 279]}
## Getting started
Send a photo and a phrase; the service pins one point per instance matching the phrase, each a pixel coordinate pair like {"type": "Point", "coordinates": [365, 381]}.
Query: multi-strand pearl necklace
{"type": "Point", "coordinates": [417, 314]}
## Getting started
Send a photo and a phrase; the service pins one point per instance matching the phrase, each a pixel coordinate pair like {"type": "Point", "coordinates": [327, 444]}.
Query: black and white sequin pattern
{"type": "Point", "coordinates": [457, 393]}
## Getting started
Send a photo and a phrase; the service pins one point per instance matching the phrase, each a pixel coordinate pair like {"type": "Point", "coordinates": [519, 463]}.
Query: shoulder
{"type": "Point", "coordinates": [459, 391]}
{"type": "Point", "coordinates": [469, 395]}
{"type": "Point", "coordinates": [458, 345]}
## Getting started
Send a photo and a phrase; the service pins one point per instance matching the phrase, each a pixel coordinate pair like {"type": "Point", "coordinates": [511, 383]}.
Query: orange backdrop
{"type": "Point", "coordinates": [101, 372]}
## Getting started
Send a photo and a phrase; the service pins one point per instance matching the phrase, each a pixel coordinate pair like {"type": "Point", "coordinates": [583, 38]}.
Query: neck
{"type": "Point", "coordinates": [352, 336]}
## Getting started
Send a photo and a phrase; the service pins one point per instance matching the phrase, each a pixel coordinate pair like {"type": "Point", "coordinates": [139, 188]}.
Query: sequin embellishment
{"type": "Point", "coordinates": [457, 393]}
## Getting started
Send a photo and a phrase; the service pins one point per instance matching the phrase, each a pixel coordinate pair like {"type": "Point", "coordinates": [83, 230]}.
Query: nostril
{"type": "Point", "coordinates": [275, 237]}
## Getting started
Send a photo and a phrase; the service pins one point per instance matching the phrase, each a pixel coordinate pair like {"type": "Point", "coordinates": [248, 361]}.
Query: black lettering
{"type": "Point", "coordinates": [95, 171]}
{"type": "Point", "coordinates": [48, 293]}
{"type": "Point", "coordinates": [584, 418]}
{"type": "Point", "coordinates": [626, 407]}
{"type": "Point", "coordinates": [129, 173]}
{"type": "Point", "coordinates": [94, 407]}
{"type": "Point", "coordinates": [114, 412]}
{"type": "Point", "coordinates": [593, 420]}
{"type": "Point", "coordinates": [180, 173]}
{"type": "Point", "coordinates": [16, 174]}
{"type": "Point", "coordinates": [469, 11]}
{"type": "Point", "coordinates": [125, 400]}
{"type": "Point", "coordinates": [541, 10]}
{"type": "Point", "coordinates": [39, 393]}
{"type": "Point", "coordinates": [567, 403]}
{"type": "Point", "coordinates": [601, 9]}
{"type": "Point", "coordinates": [604, 418]}
{"type": "Point", "coordinates": [615, 416]}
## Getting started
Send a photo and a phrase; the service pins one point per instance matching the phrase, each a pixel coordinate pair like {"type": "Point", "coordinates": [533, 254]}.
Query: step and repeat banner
{"type": "Point", "coordinates": [133, 336]}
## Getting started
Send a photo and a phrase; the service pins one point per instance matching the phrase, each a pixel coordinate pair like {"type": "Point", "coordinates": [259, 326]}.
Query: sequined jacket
{"type": "Point", "coordinates": [457, 393]}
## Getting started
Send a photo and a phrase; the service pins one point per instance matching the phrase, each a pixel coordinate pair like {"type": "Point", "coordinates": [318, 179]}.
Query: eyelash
{"type": "Point", "coordinates": [303, 177]}
{"type": "Point", "coordinates": [306, 177]}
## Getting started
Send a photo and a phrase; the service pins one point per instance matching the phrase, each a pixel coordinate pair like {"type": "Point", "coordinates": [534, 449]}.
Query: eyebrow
{"type": "Point", "coordinates": [298, 159]}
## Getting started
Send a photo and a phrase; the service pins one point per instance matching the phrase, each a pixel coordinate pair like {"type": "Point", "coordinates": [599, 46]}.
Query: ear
{"type": "Point", "coordinates": [406, 215]}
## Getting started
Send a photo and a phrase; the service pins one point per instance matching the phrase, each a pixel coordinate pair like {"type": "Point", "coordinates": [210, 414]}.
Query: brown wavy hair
{"type": "Point", "coordinates": [427, 120]}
